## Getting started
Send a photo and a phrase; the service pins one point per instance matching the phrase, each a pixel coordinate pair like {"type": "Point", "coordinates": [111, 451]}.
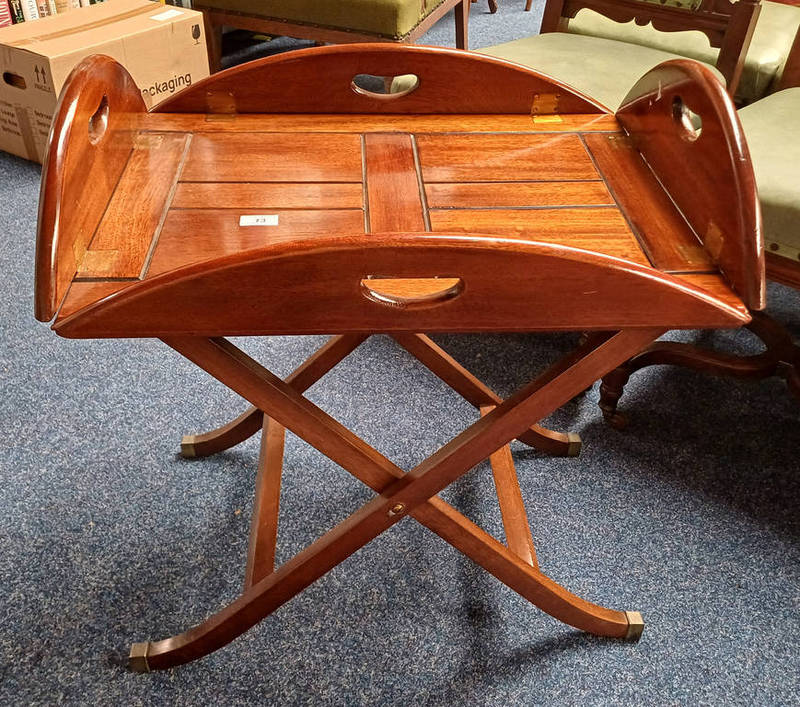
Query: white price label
{"type": "Point", "coordinates": [168, 15]}
{"type": "Point", "coordinates": [259, 220]}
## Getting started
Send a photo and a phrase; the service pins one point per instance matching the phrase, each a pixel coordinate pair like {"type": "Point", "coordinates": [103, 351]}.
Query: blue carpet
{"type": "Point", "coordinates": [108, 537]}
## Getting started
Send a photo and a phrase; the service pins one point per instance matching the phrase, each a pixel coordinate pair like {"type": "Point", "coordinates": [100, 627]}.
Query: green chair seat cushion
{"type": "Point", "coordinates": [600, 68]}
{"type": "Point", "coordinates": [775, 30]}
{"type": "Point", "coordinates": [386, 18]}
{"type": "Point", "coordinates": [770, 128]}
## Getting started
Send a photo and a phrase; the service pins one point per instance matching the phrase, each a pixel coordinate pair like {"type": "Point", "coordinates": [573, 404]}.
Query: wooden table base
{"type": "Point", "coordinates": [399, 493]}
{"type": "Point", "coordinates": [781, 357]}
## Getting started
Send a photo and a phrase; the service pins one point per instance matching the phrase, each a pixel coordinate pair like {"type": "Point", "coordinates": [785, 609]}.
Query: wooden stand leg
{"type": "Point", "coordinates": [401, 494]}
{"type": "Point", "coordinates": [512, 505]}
{"type": "Point", "coordinates": [778, 358]}
{"type": "Point", "coordinates": [440, 363]}
{"type": "Point", "coordinates": [213, 34]}
{"type": "Point", "coordinates": [264, 524]}
{"type": "Point", "coordinates": [335, 350]}
{"type": "Point", "coordinates": [462, 24]}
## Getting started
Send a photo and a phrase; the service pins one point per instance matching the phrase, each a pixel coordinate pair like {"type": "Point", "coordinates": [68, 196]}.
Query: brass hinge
{"type": "Point", "coordinates": [545, 104]}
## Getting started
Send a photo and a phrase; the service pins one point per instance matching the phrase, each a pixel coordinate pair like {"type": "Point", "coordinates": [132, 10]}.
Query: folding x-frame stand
{"type": "Point", "coordinates": [279, 405]}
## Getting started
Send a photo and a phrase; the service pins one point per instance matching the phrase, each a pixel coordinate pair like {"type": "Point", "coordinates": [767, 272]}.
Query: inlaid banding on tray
{"type": "Point", "coordinates": [268, 195]}
{"type": "Point", "coordinates": [274, 157]}
{"type": "Point", "coordinates": [444, 195]}
{"type": "Point", "coordinates": [492, 157]}
{"type": "Point", "coordinates": [600, 229]}
{"type": "Point", "coordinates": [196, 235]}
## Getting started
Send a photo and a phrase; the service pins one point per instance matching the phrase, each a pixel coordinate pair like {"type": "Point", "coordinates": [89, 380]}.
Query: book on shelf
{"type": "Point", "coordinates": [63, 6]}
{"type": "Point", "coordinates": [5, 14]}
{"type": "Point", "coordinates": [46, 8]}
{"type": "Point", "coordinates": [29, 10]}
{"type": "Point", "coordinates": [15, 6]}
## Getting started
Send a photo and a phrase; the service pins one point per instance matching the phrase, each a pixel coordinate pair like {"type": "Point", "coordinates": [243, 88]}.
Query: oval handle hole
{"type": "Point", "coordinates": [384, 88]}
{"type": "Point", "coordinates": [689, 122]}
{"type": "Point", "coordinates": [98, 121]}
{"type": "Point", "coordinates": [14, 80]}
{"type": "Point", "coordinates": [411, 292]}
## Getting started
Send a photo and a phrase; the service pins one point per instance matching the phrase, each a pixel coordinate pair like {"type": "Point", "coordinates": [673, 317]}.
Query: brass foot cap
{"type": "Point", "coordinates": [137, 660]}
{"type": "Point", "coordinates": [187, 446]}
{"type": "Point", "coordinates": [635, 625]}
{"type": "Point", "coordinates": [574, 444]}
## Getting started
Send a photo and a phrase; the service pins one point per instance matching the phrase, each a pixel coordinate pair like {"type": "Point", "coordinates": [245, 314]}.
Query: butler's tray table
{"type": "Point", "coordinates": [285, 197]}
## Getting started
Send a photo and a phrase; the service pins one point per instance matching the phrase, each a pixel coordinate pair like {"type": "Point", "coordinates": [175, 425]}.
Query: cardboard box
{"type": "Point", "coordinates": [162, 47]}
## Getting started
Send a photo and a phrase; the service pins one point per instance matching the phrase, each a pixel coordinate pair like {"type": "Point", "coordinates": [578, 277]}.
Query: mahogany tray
{"type": "Point", "coordinates": [283, 197]}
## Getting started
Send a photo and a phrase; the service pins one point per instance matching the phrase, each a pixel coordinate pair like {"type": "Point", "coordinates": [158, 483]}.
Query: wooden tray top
{"type": "Point", "coordinates": [182, 187]}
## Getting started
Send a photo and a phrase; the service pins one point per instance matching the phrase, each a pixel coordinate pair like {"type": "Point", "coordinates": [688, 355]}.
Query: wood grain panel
{"type": "Point", "coordinates": [274, 157]}
{"type": "Point", "coordinates": [267, 195]}
{"type": "Point", "coordinates": [602, 230]}
{"type": "Point", "coordinates": [716, 286]}
{"type": "Point", "coordinates": [137, 207]}
{"type": "Point", "coordinates": [319, 80]}
{"type": "Point", "coordinates": [195, 235]}
{"type": "Point", "coordinates": [666, 237]}
{"type": "Point", "coordinates": [475, 158]}
{"type": "Point", "coordinates": [520, 194]}
{"type": "Point", "coordinates": [393, 188]}
{"type": "Point", "coordinates": [90, 143]}
{"type": "Point", "coordinates": [309, 123]}
{"type": "Point", "coordinates": [82, 294]}
{"type": "Point", "coordinates": [708, 174]}
{"type": "Point", "coordinates": [313, 285]}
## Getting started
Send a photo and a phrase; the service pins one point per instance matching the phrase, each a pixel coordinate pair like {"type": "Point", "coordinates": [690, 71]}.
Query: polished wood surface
{"type": "Point", "coordinates": [392, 183]}
{"type": "Point", "coordinates": [489, 123]}
{"type": "Point", "coordinates": [90, 138]}
{"type": "Point", "coordinates": [465, 195]}
{"type": "Point", "coordinates": [319, 80]}
{"type": "Point", "coordinates": [138, 205]}
{"type": "Point", "coordinates": [707, 174]}
{"type": "Point", "coordinates": [481, 157]}
{"type": "Point", "coordinates": [264, 157]}
{"type": "Point", "coordinates": [661, 230]}
{"type": "Point", "coordinates": [354, 225]}
{"type": "Point", "coordinates": [728, 24]}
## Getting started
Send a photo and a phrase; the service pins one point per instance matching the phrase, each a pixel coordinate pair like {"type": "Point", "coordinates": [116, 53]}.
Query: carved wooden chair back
{"type": "Point", "coordinates": [728, 25]}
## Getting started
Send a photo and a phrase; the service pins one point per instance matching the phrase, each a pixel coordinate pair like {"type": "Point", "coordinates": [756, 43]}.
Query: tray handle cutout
{"type": "Point", "coordinates": [384, 88]}
{"type": "Point", "coordinates": [411, 292]}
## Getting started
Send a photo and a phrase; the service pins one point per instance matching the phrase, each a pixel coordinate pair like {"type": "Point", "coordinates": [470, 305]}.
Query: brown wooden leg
{"type": "Point", "coordinates": [264, 523]}
{"type": "Point", "coordinates": [776, 359]}
{"type": "Point", "coordinates": [493, 5]}
{"type": "Point", "coordinates": [214, 43]}
{"type": "Point", "coordinates": [410, 493]}
{"type": "Point", "coordinates": [335, 350]}
{"type": "Point", "coordinates": [512, 505]}
{"type": "Point", "coordinates": [462, 24]}
{"type": "Point", "coordinates": [443, 365]}
{"type": "Point", "coordinates": [528, 5]}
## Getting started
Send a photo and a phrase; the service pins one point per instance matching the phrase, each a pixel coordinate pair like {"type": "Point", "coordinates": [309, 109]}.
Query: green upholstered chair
{"type": "Point", "coordinates": [766, 58]}
{"type": "Point", "coordinates": [606, 68]}
{"type": "Point", "coordinates": [771, 126]}
{"type": "Point", "coordinates": [333, 21]}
